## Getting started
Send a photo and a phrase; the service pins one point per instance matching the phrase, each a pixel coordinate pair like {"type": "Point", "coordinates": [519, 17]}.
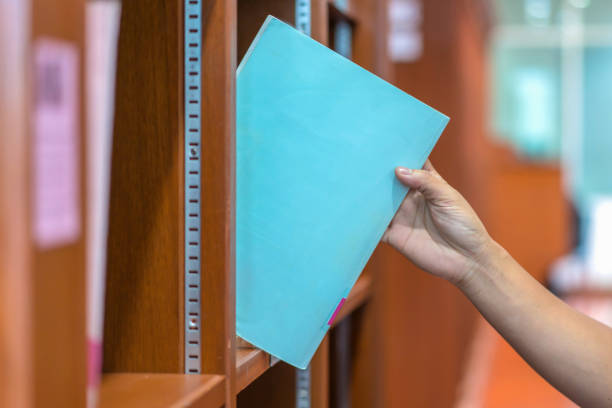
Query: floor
{"type": "Point", "coordinates": [497, 377]}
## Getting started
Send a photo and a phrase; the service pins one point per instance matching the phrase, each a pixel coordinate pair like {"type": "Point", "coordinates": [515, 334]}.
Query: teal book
{"type": "Point", "coordinates": [318, 139]}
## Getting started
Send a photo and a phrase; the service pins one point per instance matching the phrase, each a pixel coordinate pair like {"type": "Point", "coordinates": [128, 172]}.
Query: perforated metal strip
{"type": "Point", "coordinates": [302, 388]}
{"type": "Point", "coordinates": [302, 16]}
{"type": "Point", "coordinates": [302, 383]}
{"type": "Point", "coordinates": [193, 146]}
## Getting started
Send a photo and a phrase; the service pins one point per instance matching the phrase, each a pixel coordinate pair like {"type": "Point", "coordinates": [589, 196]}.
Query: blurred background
{"type": "Point", "coordinates": [528, 86]}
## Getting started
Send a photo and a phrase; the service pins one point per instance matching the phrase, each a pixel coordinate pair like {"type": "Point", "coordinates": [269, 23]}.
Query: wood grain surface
{"type": "Point", "coordinates": [218, 192]}
{"type": "Point", "coordinates": [58, 274]}
{"type": "Point", "coordinates": [143, 322]}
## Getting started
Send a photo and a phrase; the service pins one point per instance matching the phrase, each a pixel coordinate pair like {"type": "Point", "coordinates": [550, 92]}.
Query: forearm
{"type": "Point", "coordinates": [570, 350]}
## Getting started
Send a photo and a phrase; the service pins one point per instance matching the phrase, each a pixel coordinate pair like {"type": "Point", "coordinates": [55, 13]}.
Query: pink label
{"type": "Point", "coordinates": [331, 319]}
{"type": "Point", "coordinates": [55, 146]}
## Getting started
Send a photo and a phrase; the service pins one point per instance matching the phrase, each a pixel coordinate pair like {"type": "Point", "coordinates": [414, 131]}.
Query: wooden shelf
{"type": "Point", "coordinates": [250, 364]}
{"type": "Point", "coordinates": [359, 295]}
{"type": "Point", "coordinates": [178, 390]}
{"type": "Point", "coordinates": [161, 391]}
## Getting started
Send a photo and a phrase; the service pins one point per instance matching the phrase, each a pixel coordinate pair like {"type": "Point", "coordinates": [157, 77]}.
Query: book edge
{"type": "Point", "coordinates": [251, 48]}
{"type": "Point", "coordinates": [336, 55]}
{"type": "Point", "coordinates": [256, 343]}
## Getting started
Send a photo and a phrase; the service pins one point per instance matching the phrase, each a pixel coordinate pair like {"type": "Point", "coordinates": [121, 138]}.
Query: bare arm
{"type": "Point", "coordinates": [438, 230]}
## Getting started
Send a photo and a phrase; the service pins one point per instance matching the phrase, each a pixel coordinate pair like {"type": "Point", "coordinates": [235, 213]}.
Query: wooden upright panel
{"type": "Point", "coordinates": [252, 14]}
{"type": "Point", "coordinates": [144, 306]}
{"type": "Point", "coordinates": [58, 274]}
{"type": "Point", "coordinates": [42, 342]}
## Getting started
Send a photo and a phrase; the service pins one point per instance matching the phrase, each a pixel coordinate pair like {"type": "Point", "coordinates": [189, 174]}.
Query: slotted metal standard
{"type": "Point", "coordinates": [302, 383]}
{"type": "Point", "coordinates": [193, 146]}
{"type": "Point", "coordinates": [302, 16]}
{"type": "Point", "coordinates": [302, 388]}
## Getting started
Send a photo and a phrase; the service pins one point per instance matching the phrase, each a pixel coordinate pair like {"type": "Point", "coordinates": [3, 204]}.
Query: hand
{"type": "Point", "coordinates": [436, 228]}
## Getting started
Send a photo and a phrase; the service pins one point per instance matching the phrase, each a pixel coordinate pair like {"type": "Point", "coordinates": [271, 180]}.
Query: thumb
{"type": "Point", "coordinates": [427, 182]}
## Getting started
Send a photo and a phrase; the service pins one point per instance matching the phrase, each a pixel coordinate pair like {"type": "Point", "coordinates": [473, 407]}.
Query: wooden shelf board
{"type": "Point", "coordinates": [132, 390]}
{"type": "Point", "coordinates": [250, 364]}
{"type": "Point", "coordinates": [358, 296]}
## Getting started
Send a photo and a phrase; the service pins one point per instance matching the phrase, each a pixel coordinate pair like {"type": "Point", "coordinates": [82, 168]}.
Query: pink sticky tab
{"type": "Point", "coordinates": [94, 362]}
{"type": "Point", "coordinates": [331, 320]}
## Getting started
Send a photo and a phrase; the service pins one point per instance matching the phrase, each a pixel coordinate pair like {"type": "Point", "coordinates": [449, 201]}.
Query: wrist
{"type": "Point", "coordinates": [482, 265]}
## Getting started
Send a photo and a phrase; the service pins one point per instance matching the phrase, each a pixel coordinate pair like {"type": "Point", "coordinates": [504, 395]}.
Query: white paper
{"type": "Point", "coordinates": [599, 244]}
{"type": "Point", "coordinates": [102, 19]}
{"type": "Point", "coordinates": [405, 38]}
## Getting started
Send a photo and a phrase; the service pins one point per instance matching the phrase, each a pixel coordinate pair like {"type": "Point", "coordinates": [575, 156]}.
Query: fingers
{"type": "Point", "coordinates": [426, 181]}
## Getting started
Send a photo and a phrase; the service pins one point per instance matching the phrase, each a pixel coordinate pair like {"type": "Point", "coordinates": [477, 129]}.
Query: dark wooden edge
{"type": "Point", "coordinates": [251, 363]}
{"type": "Point", "coordinates": [218, 192]}
{"type": "Point", "coordinates": [337, 14]}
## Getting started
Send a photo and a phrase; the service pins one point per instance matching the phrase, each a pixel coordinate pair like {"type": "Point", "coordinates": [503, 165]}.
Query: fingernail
{"type": "Point", "coordinates": [404, 171]}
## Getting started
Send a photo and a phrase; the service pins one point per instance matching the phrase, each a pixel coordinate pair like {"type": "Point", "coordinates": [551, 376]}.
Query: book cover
{"type": "Point", "coordinates": [318, 139]}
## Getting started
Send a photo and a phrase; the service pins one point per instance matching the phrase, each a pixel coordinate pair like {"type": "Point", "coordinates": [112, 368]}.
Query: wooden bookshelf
{"type": "Point", "coordinates": [42, 293]}
{"type": "Point", "coordinates": [144, 325]}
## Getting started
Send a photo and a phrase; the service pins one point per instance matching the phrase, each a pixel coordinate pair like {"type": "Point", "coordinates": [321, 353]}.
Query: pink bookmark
{"type": "Point", "coordinates": [331, 320]}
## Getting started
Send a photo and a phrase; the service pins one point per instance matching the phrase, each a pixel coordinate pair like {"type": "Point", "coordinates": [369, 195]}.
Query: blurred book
{"type": "Point", "coordinates": [102, 22]}
{"type": "Point", "coordinates": [318, 139]}
{"type": "Point", "coordinates": [591, 267]}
